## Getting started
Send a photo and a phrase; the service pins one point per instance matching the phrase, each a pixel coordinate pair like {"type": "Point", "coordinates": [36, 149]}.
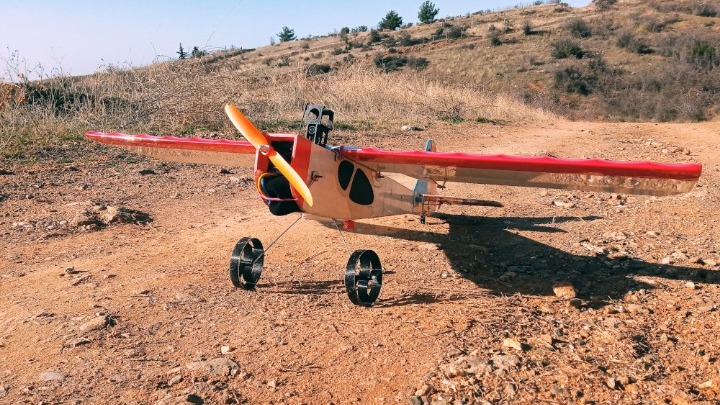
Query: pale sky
{"type": "Point", "coordinates": [83, 36]}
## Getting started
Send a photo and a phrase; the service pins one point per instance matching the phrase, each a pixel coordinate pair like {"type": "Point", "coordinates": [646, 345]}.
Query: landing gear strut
{"type": "Point", "coordinates": [246, 263]}
{"type": "Point", "coordinates": [363, 277]}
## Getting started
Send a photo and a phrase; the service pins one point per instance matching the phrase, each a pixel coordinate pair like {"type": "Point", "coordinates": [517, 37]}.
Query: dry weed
{"type": "Point", "coordinates": [182, 98]}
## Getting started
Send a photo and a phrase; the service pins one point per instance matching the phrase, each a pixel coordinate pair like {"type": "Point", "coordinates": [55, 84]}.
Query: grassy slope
{"type": "Point", "coordinates": [466, 78]}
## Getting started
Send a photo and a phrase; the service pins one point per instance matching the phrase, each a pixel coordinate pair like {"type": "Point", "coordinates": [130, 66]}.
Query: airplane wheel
{"type": "Point", "coordinates": [246, 263]}
{"type": "Point", "coordinates": [363, 277]}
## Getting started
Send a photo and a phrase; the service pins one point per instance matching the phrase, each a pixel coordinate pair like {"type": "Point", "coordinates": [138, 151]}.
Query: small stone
{"type": "Point", "coordinates": [707, 385]}
{"type": "Point", "coordinates": [415, 400]}
{"type": "Point", "coordinates": [575, 302]}
{"type": "Point", "coordinates": [612, 383]}
{"type": "Point", "coordinates": [690, 285]}
{"type": "Point", "coordinates": [422, 391]}
{"type": "Point", "coordinates": [563, 204]}
{"type": "Point", "coordinates": [513, 344]}
{"type": "Point", "coordinates": [547, 340]}
{"type": "Point", "coordinates": [118, 378]}
{"type": "Point", "coordinates": [3, 391]}
{"type": "Point", "coordinates": [225, 171]}
{"type": "Point", "coordinates": [225, 349]}
{"type": "Point", "coordinates": [652, 233]}
{"type": "Point", "coordinates": [272, 384]}
{"type": "Point", "coordinates": [706, 308]}
{"type": "Point", "coordinates": [71, 270]}
{"type": "Point", "coordinates": [709, 262]}
{"type": "Point", "coordinates": [52, 376]}
{"type": "Point", "coordinates": [94, 324]}
{"type": "Point", "coordinates": [175, 380]}
{"type": "Point", "coordinates": [505, 362]}
{"type": "Point", "coordinates": [219, 366]}
{"type": "Point", "coordinates": [666, 260]}
{"type": "Point", "coordinates": [77, 342]}
{"type": "Point", "coordinates": [564, 289]}
{"type": "Point", "coordinates": [451, 371]}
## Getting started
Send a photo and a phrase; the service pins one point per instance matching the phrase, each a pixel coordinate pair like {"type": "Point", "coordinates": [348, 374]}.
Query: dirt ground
{"type": "Point", "coordinates": [114, 284]}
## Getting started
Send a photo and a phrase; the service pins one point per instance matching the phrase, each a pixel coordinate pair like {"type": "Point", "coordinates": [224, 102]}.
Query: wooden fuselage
{"type": "Point", "coordinates": [341, 189]}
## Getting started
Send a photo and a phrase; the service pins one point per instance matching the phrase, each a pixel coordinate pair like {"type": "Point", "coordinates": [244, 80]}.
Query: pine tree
{"type": "Point", "coordinates": [286, 35]}
{"type": "Point", "coordinates": [427, 12]}
{"type": "Point", "coordinates": [181, 52]}
{"type": "Point", "coordinates": [391, 21]}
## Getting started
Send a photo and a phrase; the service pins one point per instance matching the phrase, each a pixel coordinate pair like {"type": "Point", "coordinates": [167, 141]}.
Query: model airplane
{"type": "Point", "coordinates": [296, 173]}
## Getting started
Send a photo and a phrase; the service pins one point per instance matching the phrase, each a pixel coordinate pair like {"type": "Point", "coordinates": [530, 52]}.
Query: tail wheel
{"type": "Point", "coordinates": [246, 263]}
{"type": "Point", "coordinates": [363, 277]}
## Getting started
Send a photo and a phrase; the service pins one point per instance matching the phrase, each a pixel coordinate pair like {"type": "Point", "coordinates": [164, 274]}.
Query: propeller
{"type": "Point", "coordinates": [260, 142]}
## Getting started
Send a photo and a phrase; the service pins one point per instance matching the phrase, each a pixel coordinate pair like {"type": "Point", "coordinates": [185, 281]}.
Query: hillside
{"type": "Point", "coordinates": [114, 282]}
{"type": "Point", "coordinates": [627, 61]}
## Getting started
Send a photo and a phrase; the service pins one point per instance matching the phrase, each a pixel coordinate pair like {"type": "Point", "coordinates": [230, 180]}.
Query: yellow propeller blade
{"type": "Point", "coordinates": [258, 140]}
{"type": "Point", "coordinates": [246, 128]}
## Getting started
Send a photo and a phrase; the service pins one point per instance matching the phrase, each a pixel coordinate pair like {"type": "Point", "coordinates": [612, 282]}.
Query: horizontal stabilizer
{"type": "Point", "coordinates": [438, 200]}
{"type": "Point", "coordinates": [187, 150]}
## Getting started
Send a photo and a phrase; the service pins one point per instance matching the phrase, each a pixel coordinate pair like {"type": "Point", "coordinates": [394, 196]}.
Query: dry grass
{"type": "Point", "coordinates": [188, 97]}
{"type": "Point", "coordinates": [672, 77]}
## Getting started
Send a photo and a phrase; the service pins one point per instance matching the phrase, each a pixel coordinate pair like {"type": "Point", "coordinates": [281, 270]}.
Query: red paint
{"type": "Point", "coordinates": [527, 163]}
{"type": "Point", "coordinates": [349, 225]}
{"type": "Point", "coordinates": [171, 142]}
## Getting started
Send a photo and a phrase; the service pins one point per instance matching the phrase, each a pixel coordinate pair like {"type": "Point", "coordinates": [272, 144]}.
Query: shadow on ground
{"type": "Point", "coordinates": [487, 251]}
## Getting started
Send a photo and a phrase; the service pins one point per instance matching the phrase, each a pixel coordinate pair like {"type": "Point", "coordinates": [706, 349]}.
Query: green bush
{"type": "Point", "coordinates": [637, 45]}
{"type": "Point", "coordinates": [704, 55]}
{"type": "Point", "coordinates": [317, 69]}
{"type": "Point", "coordinates": [407, 40]}
{"type": "Point", "coordinates": [603, 5]}
{"type": "Point", "coordinates": [705, 10]}
{"type": "Point", "coordinates": [374, 37]}
{"type": "Point", "coordinates": [565, 48]}
{"type": "Point", "coordinates": [393, 63]}
{"type": "Point", "coordinates": [528, 28]}
{"type": "Point", "coordinates": [495, 38]}
{"type": "Point", "coordinates": [573, 80]}
{"type": "Point", "coordinates": [579, 28]}
{"type": "Point", "coordinates": [456, 32]}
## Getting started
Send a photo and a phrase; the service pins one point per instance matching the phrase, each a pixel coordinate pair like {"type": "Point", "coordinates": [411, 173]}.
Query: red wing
{"type": "Point", "coordinates": [189, 150]}
{"type": "Point", "coordinates": [577, 174]}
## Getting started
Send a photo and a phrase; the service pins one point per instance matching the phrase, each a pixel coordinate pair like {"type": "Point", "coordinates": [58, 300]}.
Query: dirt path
{"type": "Point", "coordinates": [144, 312]}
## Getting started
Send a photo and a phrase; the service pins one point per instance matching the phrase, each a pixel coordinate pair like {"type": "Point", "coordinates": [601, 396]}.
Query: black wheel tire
{"type": "Point", "coordinates": [363, 277]}
{"type": "Point", "coordinates": [246, 263]}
